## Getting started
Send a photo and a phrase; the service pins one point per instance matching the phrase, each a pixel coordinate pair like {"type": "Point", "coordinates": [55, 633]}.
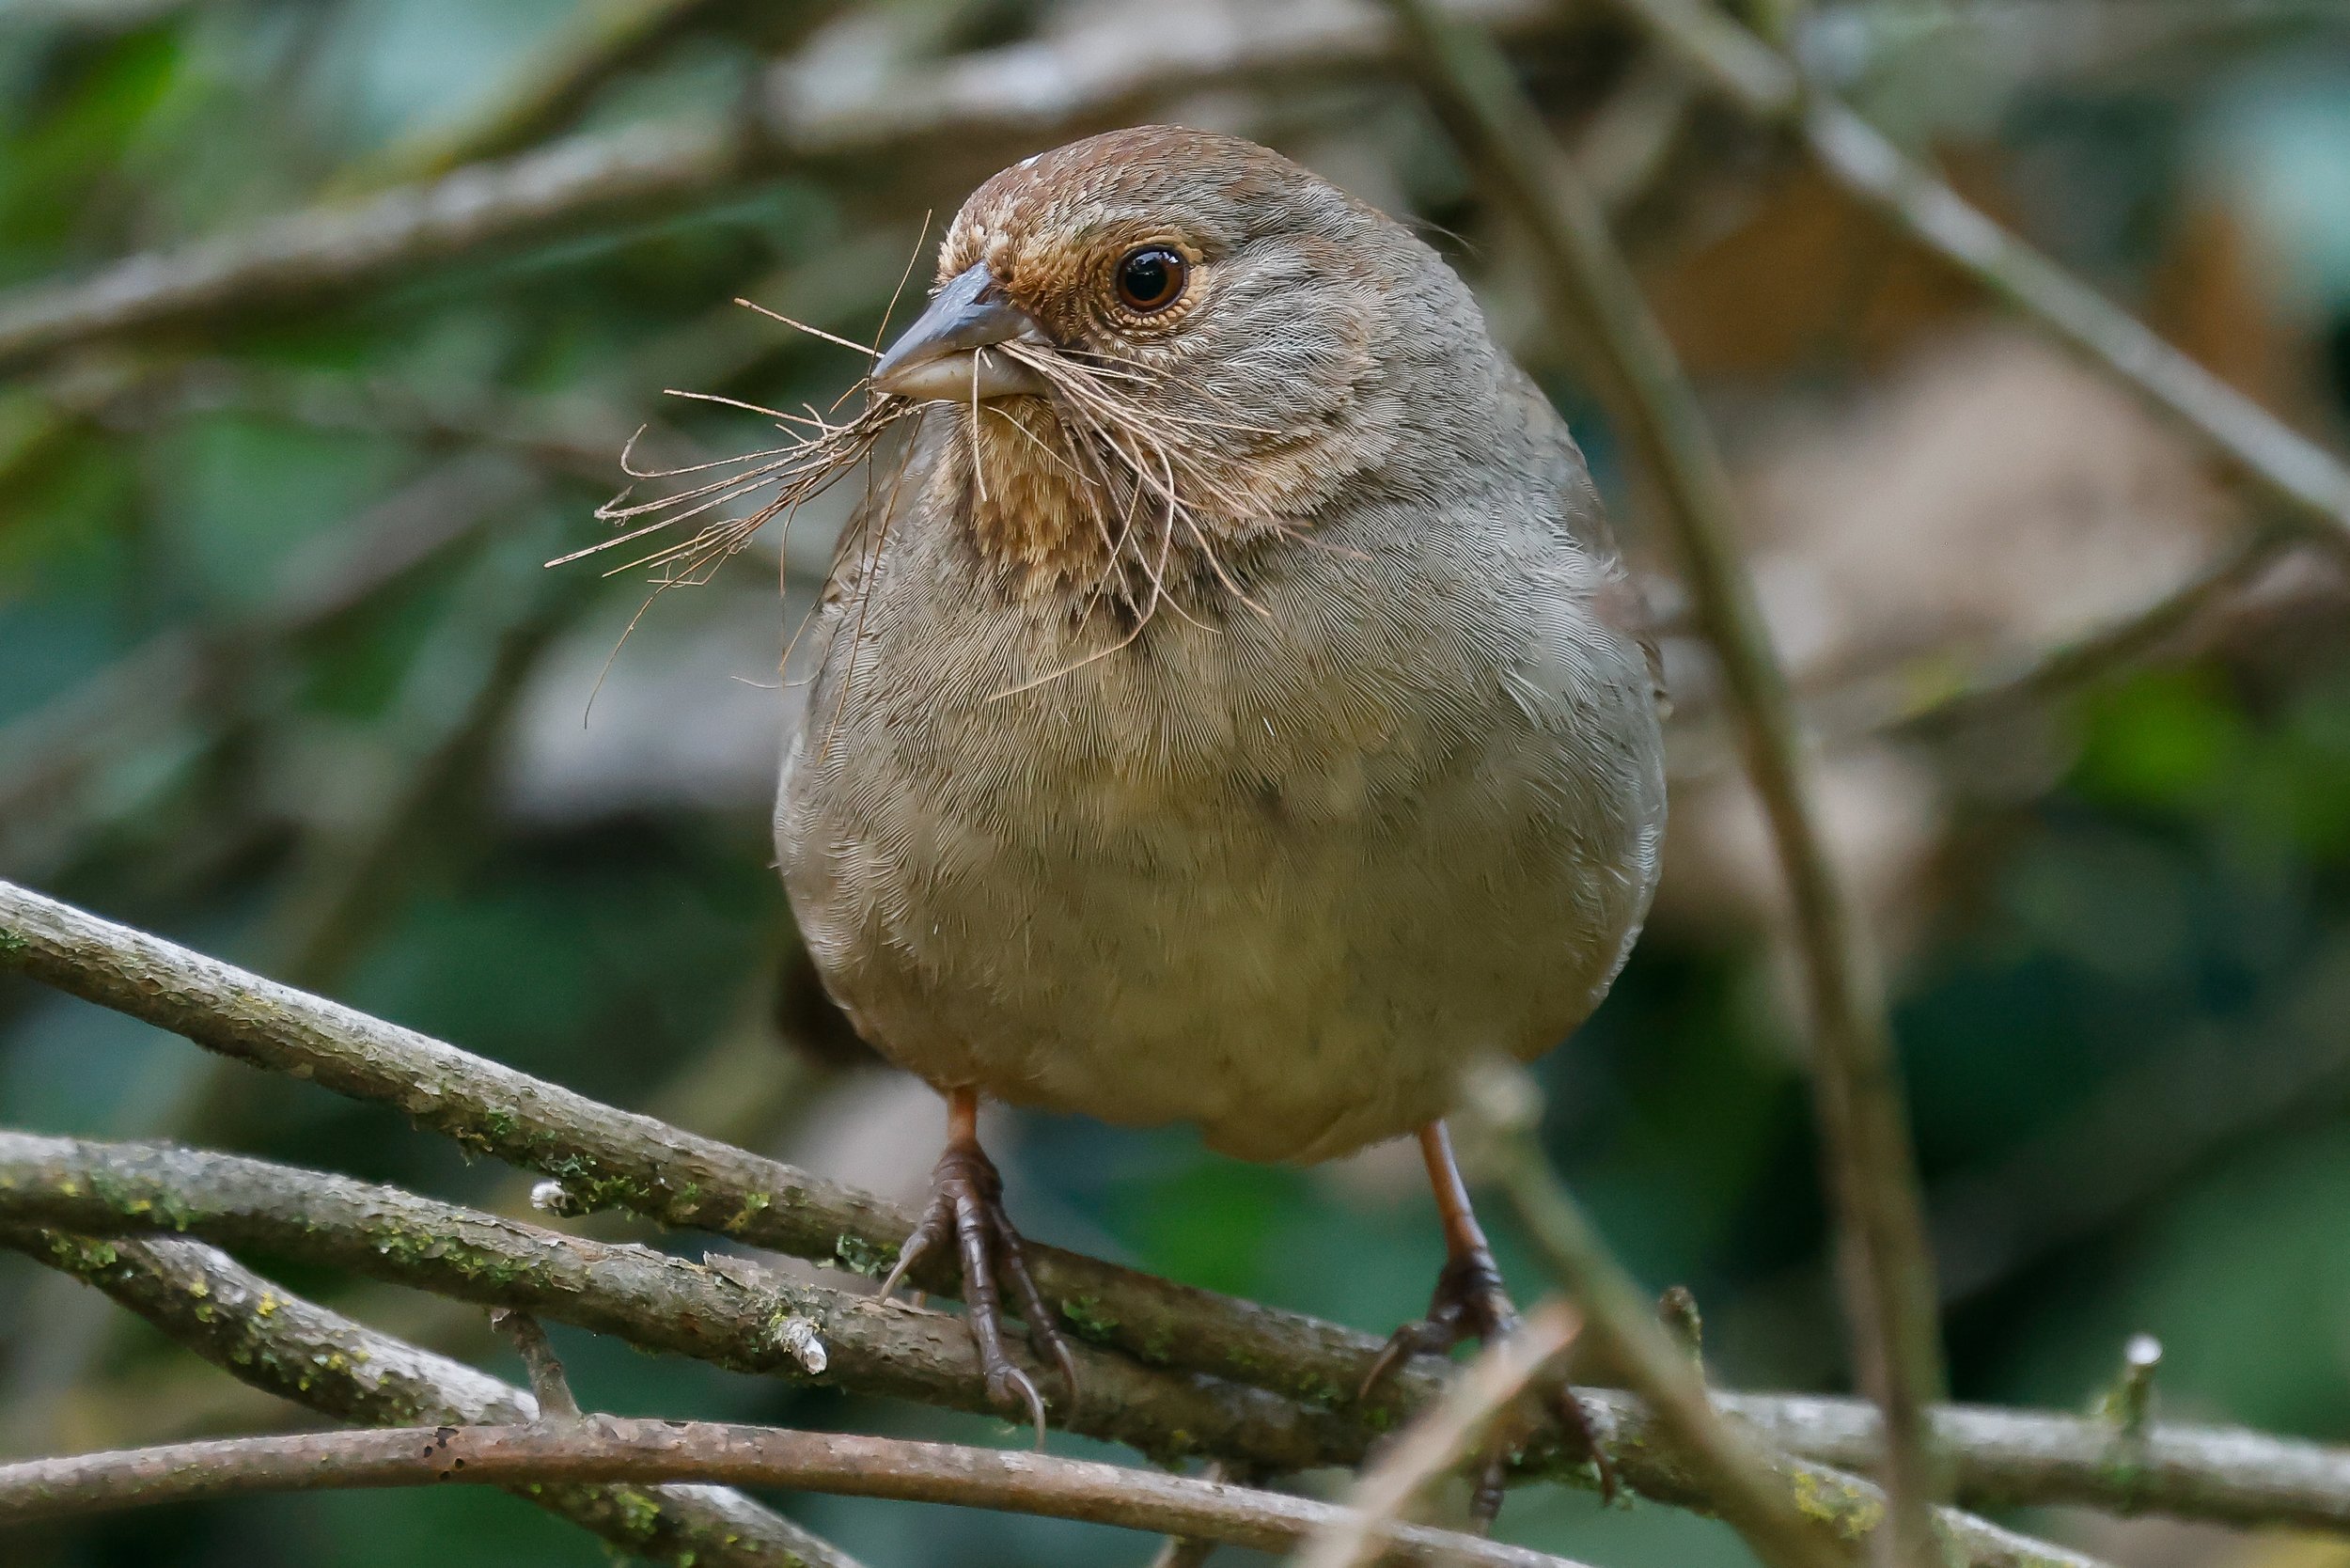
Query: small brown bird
{"type": "Point", "coordinates": [1236, 711]}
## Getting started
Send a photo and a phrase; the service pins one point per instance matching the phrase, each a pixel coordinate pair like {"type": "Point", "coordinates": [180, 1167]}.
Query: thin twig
{"type": "Point", "coordinates": [2292, 469]}
{"type": "Point", "coordinates": [549, 1384]}
{"type": "Point", "coordinates": [607, 1449]}
{"type": "Point", "coordinates": [2101, 653]}
{"type": "Point", "coordinates": [261, 1333]}
{"type": "Point", "coordinates": [1625, 1328]}
{"type": "Point", "coordinates": [1870, 1171]}
{"type": "Point", "coordinates": [562, 79]}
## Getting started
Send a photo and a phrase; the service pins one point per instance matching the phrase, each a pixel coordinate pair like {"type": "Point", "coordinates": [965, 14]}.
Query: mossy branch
{"type": "Point", "coordinates": [264, 1335]}
{"type": "Point", "coordinates": [2000, 1457]}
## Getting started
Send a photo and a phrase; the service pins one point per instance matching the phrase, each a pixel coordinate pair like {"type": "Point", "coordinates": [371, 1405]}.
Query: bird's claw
{"type": "Point", "coordinates": [966, 1202]}
{"type": "Point", "coordinates": [1470, 1303]}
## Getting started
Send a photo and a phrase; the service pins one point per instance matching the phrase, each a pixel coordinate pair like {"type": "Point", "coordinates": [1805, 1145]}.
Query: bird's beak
{"type": "Point", "coordinates": [950, 354]}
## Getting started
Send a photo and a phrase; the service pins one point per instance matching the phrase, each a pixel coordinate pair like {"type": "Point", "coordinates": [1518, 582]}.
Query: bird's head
{"type": "Point", "coordinates": [1163, 343]}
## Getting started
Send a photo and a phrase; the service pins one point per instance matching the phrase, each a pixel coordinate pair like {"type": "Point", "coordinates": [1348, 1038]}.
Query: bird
{"type": "Point", "coordinates": [1234, 710]}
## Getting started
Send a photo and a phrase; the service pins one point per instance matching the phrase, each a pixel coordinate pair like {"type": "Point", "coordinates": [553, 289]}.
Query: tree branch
{"type": "Point", "coordinates": [736, 1316]}
{"type": "Point", "coordinates": [564, 78]}
{"type": "Point", "coordinates": [2309, 482]}
{"type": "Point", "coordinates": [1031, 93]}
{"type": "Point", "coordinates": [607, 1158]}
{"type": "Point", "coordinates": [263, 1335]}
{"type": "Point", "coordinates": [2124, 641]}
{"type": "Point", "coordinates": [1888, 1273]}
{"type": "Point", "coordinates": [607, 1449]}
{"type": "Point", "coordinates": [313, 253]}
{"type": "Point", "coordinates": [728, 1312]}
{"type": "Point", "coordinates": [630, 1161]}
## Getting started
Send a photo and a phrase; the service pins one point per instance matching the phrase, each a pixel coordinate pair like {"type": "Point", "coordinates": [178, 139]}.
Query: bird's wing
{"type": "Point", "coordinates": [1581, 518]}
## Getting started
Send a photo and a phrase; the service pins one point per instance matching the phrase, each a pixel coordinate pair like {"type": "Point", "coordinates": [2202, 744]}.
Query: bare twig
{"type": "Point", "coordinates": [308, 254]}
{"type": "Point", "coordinates": [268, 1336]}
{"type": "Point", "coordinates": [574, 436]}
{"type": "Point", "coordinates": [2119, 643]}
{"type": "Point", "coordinates": [1445, 1434]}
{"type": "Point", "coordinates": [563, 77]}
{"type": "Point", "coordinates": [1192, 1551]}
{"type": "Point", "coordinates": [549, 1386]}
{"type": "Point", "coordinates": [2310, 482]}
{"type": "Point", "coordinates": [1029, 93]}
{"type": "Point", "coordinates": [1872, 1176]}
{"type": "Point", "coordinates": [605, 1449]}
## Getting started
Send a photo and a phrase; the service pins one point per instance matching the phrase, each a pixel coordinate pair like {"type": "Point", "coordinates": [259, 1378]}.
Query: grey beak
{"type": "Point", "coordinates": [944, 356]}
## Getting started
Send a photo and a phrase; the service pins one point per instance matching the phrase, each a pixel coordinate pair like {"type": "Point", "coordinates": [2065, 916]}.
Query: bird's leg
{"type": "Point", "coordinates": [966, 1202]}
{"type": "Point", "coordinates": [1470, 1303]}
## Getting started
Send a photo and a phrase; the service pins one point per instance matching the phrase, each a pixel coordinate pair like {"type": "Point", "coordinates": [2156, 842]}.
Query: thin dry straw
{"type": "Point", "coordinates": [796, 473]}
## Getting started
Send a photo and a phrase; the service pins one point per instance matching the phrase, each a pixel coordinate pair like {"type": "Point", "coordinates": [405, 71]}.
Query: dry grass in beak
{"type": "Point", "coordinates": [820, 451]}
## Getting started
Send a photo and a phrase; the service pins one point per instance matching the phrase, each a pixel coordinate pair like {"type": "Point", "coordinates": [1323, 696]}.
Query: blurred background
{"type": "Point", "coordinates": [283, 677]}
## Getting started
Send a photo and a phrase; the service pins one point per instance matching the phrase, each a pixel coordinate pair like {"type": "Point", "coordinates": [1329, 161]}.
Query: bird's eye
{"type": "Point", "coordinates": [1151, 278]}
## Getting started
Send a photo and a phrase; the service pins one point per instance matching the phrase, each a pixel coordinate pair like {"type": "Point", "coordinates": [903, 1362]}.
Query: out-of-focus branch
{"type": "Point", "coordinates": [2070, 667]}
{"type": "Point", "coordinates": [612, 37]}
{"type": "Point", "coordinates": [2031, 1457]}
{"type": "Point", "coordinates": [1445, 1434]}
{"type": "Point", "coordinates": [1871, 1174]}
{"type": "Point", "coordinates": [2032, 41]}
{"type": "Point", "coordinates": [311, 253]}
{"type": "Point", "coordinates": [604, 1449]}
{"type": "Point", "coordinates": [1029, 93]}
{"type": "Point", "coordinates": [50, 758]}
{"type": "Point", "coordinates": [2290, 468]}
{"type": "Point", "coordinates": [1757, 1503]}
{"type": "Point", "coordinates": [266, 1335]}
{"type": "Point", "coordinates": [576, 438]}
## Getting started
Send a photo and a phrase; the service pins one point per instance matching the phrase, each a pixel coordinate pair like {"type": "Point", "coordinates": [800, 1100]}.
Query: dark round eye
{"type": "Point", "coordinates": [1151, 278]}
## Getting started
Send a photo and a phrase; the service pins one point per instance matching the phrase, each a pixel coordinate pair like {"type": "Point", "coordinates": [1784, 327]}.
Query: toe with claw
{"type": "Point", "coordinates": [966, 1204]}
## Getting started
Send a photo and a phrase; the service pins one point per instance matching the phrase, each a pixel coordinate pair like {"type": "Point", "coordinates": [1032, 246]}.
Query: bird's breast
{"type": "Point", "coordinates": [1273, 871]}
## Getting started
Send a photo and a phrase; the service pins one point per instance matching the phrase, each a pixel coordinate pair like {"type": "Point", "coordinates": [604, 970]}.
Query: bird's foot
{"type": "Point", "coordinates": [966, 1202]}
{"type": "Point", "coordinates": [1471, 1304]}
